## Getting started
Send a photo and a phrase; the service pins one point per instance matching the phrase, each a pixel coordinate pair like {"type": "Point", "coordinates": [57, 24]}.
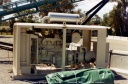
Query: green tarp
{"type": "Point", "coordinates": [83, 76]}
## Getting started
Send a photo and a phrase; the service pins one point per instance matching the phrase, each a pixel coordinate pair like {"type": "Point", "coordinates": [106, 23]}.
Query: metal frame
{"type": "Point", "coordinates": [101, 41]}
{"type": "Point", "coordinates": [15, 8]}
{"type": "Point", "coordinates": [96, 8]}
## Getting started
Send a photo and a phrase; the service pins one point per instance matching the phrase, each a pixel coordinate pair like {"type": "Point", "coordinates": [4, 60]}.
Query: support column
{"type": "Point", "coordinates": [87, 39]}
{"type": "Point", "coordinates": [17, 50]}
{"type": "Point", "coordinates": [14, 50]}
{"type": "Point", "coordinates": [28, 47]}
{"type": "Point", "coordinates": [101, 48]}
{"type": "Point", "coordinates": [64, 49]}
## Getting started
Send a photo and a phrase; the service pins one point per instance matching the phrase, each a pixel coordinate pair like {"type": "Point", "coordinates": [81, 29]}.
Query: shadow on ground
{"type": "Point", "coordinates": [41, 81]}
{"type": "Point", "coordinates": [120, 77]}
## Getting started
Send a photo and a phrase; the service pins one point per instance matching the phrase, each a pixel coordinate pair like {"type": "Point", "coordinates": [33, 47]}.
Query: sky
{"type": "Point", "coordinates": [88, 4]}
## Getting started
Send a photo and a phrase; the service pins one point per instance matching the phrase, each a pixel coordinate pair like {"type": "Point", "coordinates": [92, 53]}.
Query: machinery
{"type": "Point", "coordinates": [50, 42]}
{"type": "Point", "coordinates": [55, 41]}
{"type": "Point", "coordinates": [50, 52]}
{"type": "Point", "coordinates": [33, 50]}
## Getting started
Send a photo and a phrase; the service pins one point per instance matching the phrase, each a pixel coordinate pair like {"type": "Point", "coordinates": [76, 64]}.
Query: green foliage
{"type": "Point", "coordinates": [105, 20]}
{"type": "Point", "coordinates": [11, 22]}
{"type": "Point", "coordinates": [114, 20]}
{"type": "Point", "coordinates": [68, 8]}
{"type": "Point", "coordinates": [2, 2]}
{"type": "Point", "coordinates": [28, 18]}
{"type": "Point", "coordinates": [96, 20]}
{"type": "Point", "coordinates": [4, 24]}
{"type": "Point", "coordinates": [3, 30]}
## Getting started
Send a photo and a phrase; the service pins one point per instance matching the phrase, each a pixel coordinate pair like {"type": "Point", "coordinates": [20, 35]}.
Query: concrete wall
{"type": "Point", "coordinates": [119, 61]}
{"type": "Point", "coordinates": [119, 58]}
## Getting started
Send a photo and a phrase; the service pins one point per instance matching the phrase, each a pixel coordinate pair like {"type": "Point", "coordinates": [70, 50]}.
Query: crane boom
{"type": "Point", "coordinates": [17, 7]}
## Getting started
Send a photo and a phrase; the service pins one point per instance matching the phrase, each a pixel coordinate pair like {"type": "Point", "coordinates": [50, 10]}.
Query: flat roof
{"type": "Point", "coordinates": [60, 26]}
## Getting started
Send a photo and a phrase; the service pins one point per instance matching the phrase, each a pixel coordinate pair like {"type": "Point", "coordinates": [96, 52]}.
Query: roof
{"type": "Point", "coordinates": [60, 26]}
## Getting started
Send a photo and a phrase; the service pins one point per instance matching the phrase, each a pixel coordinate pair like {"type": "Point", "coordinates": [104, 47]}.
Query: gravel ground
{"type": "Point", "coordinates": [6, 55]}
{"type": "Point", "coordinates": [5, 76]}
{"type": "Point", "coordinates": [121, 79]}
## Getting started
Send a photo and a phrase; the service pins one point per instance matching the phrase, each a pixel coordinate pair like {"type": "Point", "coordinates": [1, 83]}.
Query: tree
{"type": "Point", "coordinates": [105, 20]}
{"type": "Point", "coordinates": [3, 30]}
{"type": "Point", "coordinates": [114, 20]}
{"type": "Point", "coordinates": [117, 21]}
{"type": "Point", "coordinates": [96, 20]}
{"type": "Point", "coordinates": [3, 2]}
{"type": "Point", "coordinates": [68, 8]}
{"type": "Point", "coordinates": [122, 17]}
{"type": "Point", "coordinates": [31, 18]}
{"type": "Point", "coordinates": [12, 21]}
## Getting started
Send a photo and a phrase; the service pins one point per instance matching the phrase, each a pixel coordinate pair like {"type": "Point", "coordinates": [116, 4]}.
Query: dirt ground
{"type": "Point", "coordinates": [6, 77]}
{"type": "Point", "coordinates": [6, 70]}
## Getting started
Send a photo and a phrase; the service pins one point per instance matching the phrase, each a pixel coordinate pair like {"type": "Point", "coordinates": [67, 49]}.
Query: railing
{"type": "Point", "coordinates": [6, 46]}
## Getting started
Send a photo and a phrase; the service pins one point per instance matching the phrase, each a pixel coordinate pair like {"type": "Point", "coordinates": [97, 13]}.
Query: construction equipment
{"type": "Point", "coordinates": [33, 46]}
{"type": "Point", "coordinates": [17, 7]}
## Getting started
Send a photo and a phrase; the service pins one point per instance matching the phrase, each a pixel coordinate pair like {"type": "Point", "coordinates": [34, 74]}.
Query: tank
{"type": "Point", "coordinates": [64, 17]}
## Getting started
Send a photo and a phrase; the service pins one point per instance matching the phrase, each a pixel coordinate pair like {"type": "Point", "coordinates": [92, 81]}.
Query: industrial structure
{"type": "Point", "coordinates": [18, 6]}
{"type": "Point", "coordinates": [54, 42]}
{"type": "Point", "coordinates": [34, 47]}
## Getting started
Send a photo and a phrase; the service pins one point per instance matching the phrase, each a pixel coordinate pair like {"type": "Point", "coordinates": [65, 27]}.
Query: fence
{"type": "Point", "coordinates": [5, 55]}
{"type": "Point", "coordinates": [6, 44]}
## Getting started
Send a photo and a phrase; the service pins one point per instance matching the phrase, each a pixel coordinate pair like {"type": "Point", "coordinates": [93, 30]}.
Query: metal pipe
{"type": "Point", "coordinates": [44, 19]}
{"type": "Point", "coordinates": [32, 5]}
{"type": "Point", "coordinates": [64, 51]}
{"type": "Point", "coordinates": [94, 12]}
{"type": "Point", "coordinates": [94, 7]}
